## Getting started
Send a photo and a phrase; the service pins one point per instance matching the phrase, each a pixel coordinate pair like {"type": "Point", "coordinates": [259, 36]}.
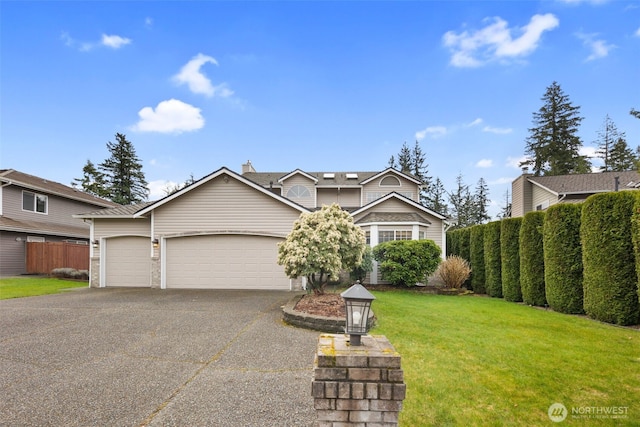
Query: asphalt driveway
{"type": "Point", "coordinates": [134, 357]}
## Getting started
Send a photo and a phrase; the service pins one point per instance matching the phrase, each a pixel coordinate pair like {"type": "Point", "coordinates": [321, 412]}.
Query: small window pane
{"type": "Point", "coordinates": [28, 201]}
{"type": "Point", "coordinates": [385, 236]}
{"type": "Point", "coordinates": [390, 181]}
{"type": "Point", "coordinates": [403, 235]}
{"type": "Point", "coordinates": [41, 203]}
{"type": "Point", "coordinates": [298, 191]}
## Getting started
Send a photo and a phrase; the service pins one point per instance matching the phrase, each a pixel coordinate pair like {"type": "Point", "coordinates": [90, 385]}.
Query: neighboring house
{"type": "Point", "coordinates": [222, 231]}
{"type": "Point", "coordinates": [531, 193]}
{"type": "Point", "coordinates": [33, 209]}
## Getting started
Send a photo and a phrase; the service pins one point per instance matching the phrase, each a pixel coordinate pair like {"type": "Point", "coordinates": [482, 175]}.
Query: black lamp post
{"type": "Point", "coordinates": [358, 304]}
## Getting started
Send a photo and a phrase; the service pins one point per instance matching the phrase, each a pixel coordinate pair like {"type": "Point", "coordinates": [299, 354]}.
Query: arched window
{"type": "Point", "coordinates": [390, 181]}
{"type": "Point", "coordinates": [298, 192]}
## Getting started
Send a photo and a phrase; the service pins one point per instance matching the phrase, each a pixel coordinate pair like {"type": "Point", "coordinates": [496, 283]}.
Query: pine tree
{"type": "Point", "coordinates": [635, 113]}
{"type": "Point", "coordinates": [553, 143]}
{"type": "Point", "coordinates": [93, 181]}
{"type": "Point", "coordinates": [435, 198]}
{"type": "Point", "coordinates": [505, 212]}
{"type": "Point", "coordinates": [480, 203]}
{"type": "Point", "coordinates": [404, 159]}
{"type": "Point", "coordinates": [608, 136]}
{"type": "Point", "coordinates": [392, 162]}
{"type": "Point", "coordinates": [123, 171]}
{"type": "Point", "coordinates": [419, 169]}
{"type": "Point", "coordinates": [621, 157]}
{"type": "Point", "coordinates": [462, 204]}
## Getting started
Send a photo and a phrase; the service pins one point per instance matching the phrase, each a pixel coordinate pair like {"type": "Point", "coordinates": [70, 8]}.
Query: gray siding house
{"type": "Point", "coordinates": [531, 193]}
{"type": "Point", "coordinates": [34, 209]}
{"type": "Point", "coordinates": [222, 231]}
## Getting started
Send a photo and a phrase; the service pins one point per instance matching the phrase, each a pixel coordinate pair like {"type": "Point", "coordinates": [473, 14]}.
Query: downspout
{"type": "Point", "coordinates": [562, 197]}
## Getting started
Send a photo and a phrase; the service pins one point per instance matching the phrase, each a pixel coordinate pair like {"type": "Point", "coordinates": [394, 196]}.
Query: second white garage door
{"type": "Point", "coordinates": [224, 262]}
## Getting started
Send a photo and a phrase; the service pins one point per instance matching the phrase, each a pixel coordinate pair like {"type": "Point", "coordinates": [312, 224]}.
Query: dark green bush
{"type": "Point", "coordinates": [476, 250]}
{"type": "Point", "coordinates": [492, 262]}
{"type": "Point", "coordinates": [510, 258]}
{"type": "Point", "coordinates": [610, 280]}
{"type": "Point", "coordinates": [635, 234]}
{"type": "Point", "coordinates": [359, 272]}
{"type": "Point", "coordinates": [563, 258]}
{"type": "Point", "coordinates": [464, 249]}
{"type": "Point", "coordinates": [532, 259]}
{"type": "Point", "coordinates": [407, 262]}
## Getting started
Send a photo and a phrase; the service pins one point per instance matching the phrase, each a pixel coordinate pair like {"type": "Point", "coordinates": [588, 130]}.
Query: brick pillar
{"type": "Point", "coordinates": [357, 385]}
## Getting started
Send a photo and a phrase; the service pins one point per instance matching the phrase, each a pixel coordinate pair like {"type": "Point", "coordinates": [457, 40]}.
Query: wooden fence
{"type": "Point", "coordinates": [42, 257]}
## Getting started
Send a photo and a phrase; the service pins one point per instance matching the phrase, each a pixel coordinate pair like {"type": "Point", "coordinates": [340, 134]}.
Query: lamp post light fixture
{"type": "Point", "coordinates": [155, 243]}
{"type": "Point", "coordinates": [95, 243]}
{"type": "Point", "coordinates": [358, 304]}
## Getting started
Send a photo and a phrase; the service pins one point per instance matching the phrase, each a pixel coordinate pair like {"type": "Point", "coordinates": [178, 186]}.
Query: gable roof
{"type": "Point", "coordinates": [221, 171]}
{"type": "Point", "coordinates": [31, 182]}
{"type": "Point", "coordinates": [394, 217]}
{"type": "Point", "coordinates": [402, 198]}
{"type": "Point", "coordinates": [339, 179]}
{"type": "Point", "coordinates": [585, 183]}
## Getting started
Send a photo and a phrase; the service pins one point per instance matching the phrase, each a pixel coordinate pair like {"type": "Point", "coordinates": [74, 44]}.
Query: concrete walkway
{"type": "Point", "coordinates": [149, 357]}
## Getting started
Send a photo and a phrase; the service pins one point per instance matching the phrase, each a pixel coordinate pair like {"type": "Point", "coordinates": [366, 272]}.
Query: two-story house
{"type": "Point", "coordinates": [536, 193]}
{"type": "Point", "coordinates": [222, 231]}
{"type": "Point", "coordinates": [34, 209]}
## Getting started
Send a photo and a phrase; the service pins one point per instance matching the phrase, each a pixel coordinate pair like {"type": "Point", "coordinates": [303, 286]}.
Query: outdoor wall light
{"type": "Point", "coordinates": [156, 243]}
{"type": "Point", "coordinates": [94, 242]}
{"type": "Point", "coordinates": [358, 304]}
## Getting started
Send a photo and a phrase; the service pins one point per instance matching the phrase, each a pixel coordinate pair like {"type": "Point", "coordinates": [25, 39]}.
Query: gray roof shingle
{"type": "Point", "coordinates": [586, 183]}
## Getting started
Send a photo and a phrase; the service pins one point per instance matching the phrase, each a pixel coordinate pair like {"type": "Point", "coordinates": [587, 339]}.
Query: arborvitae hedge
{"type": "Point", "coordinates": [563, 258]}
{"type": "Point", "coordinates": [610, 280]}
{"type": "Point", "coordinates": [510, 258]}
{"type": "Point", "coordinates": [635, 234]}
{"type": "Point", "coordinates": [449, 241]}
{"type": "Point", "coordinates": [532, 259]}
{"type": "Point", "coordinates": [464, 247]}
{"type": "Point", "coordinates": [476, 251]}
{"type": "Point", "coordinates": [492, 263]}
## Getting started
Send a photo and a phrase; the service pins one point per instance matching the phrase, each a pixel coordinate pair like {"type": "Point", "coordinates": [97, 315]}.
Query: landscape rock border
{"type": "Point", "coordinates": [310, 321]}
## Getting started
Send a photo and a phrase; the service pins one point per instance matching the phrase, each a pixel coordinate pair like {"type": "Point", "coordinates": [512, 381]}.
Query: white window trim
{"type": "Point", "coordinates": [35, 202]}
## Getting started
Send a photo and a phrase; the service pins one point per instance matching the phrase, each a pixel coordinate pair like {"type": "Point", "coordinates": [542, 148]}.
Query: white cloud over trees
{"type": "Point", "coordinates": [171, 116]}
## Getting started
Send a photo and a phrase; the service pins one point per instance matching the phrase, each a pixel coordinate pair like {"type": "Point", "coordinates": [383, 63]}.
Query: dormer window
{"type": "Point", "coordinates": [390, 181]}
{"type": "Point", "coordinates": [33, 202]}
{"type": "Point", "coordinates": [298, 192]}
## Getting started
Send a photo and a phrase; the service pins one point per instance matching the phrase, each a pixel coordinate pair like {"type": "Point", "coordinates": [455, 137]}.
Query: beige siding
{"type": "Point", "coordinates": [121, 227]}
{"type": "Point", "coordinates": [299, 179]}
{"type": "Point", "coordinates": [540, 196]}
{"type": "Point", "coordinates": [406, 187]}
{"type": "Point", "coordinates": [224, 206]}
{"type": "Point", "coordinates": [345, 197]}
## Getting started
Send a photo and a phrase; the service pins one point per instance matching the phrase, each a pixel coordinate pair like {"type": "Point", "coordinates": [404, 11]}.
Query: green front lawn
{"type": "Point", "coordinates": [476, 361]}
{"type": "Point", "coordinates": [17, 287]}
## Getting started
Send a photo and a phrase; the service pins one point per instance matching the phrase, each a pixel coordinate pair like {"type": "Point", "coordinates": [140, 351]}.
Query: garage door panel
{"type": "Point", "coordinates": [128, 262]}
{"type": "Point", "coordinates": [224, 262]}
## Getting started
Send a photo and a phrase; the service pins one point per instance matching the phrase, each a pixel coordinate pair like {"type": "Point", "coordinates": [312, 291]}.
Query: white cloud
{"type": "Point", "coordinates": [499, 131]}
{"type": "Point", "coordinates": [114, 42]}
{"type": "Point", "coordinates": [598, 47]}
{"type": "Point", "coordinates": [495, 41]}
{"type": "Point", "coordinates": [172, 116]}
{"type": "Point", "coordinates": [476, 122]}
{"type": "Point", "coordinates": [191, 75]}
{"type": "Point", "coordinates": [157, 188]}
{"type": "Point", "coordinates": [484, 163]}
{"type": "Point", "coordinates": [514, 162]}
{"type": "Point", "coordinates": [501, 181]}
{"type": "Point", "coordinates": [431, 131]}
{"type": "Point", "coordinates": [588, 151]}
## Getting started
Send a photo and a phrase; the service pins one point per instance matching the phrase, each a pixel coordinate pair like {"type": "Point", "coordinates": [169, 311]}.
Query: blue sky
{"type": "Point", "coordinates": [321, 86]}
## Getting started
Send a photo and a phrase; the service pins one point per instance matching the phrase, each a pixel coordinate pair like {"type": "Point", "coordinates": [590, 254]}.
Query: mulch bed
{"type": "Point", "coordinates": [328, 305]}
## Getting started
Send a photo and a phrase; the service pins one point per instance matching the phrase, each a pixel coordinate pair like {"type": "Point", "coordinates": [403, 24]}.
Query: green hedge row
{"type": "Point", "coordinates": [510, 258]}
{"type": "Point", "coordinates": [532, 259]}
{"type": "Point", "coordinates": [492, 261]}
{"type": "Point", "coordinates": [476, 254]}
{"type": "Point", "coordinates": [610, 280]}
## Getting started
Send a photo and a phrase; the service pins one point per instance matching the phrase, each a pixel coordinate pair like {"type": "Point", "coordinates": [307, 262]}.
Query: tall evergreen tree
{"type": "Point", "coordinates": [608, 136]}
{"type": "Point", "coordinates": [505, 211]}
{"type": "Point", "coordinates": [635, 113]}
{"type": "Point", "coordinates": [553, 144]}
{"type": "Point", "coordinates": [405, 159]}
{"type": "Point", "coordinates": [462, 204]}
{"type": "Point", "coordinates": [435, 198]}
{"type": "Point", "coordinates": [123, 171]}
{"type": "Point", "coordinates": [419, 169]}
{"type": "Point", "coordinates": [93, 181]}
{"type": "Point", "coordinates": [481, 203]}
{"type": "Point", "coordinates": [621, 157]}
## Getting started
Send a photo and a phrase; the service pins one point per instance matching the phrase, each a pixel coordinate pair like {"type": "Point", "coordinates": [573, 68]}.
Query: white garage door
{"type": "Point", "coordinates": [224, 262]}
{"type": "Point", "coordinates": [128, 262]}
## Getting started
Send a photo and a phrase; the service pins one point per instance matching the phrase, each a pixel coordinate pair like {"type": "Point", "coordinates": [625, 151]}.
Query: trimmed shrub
{"type": "Point", "coordinates": [532, 259]}
{"type": "Point", "coordinates": [407, 262]}
{"type": "Point", "coordinates": [510, 258]}
{"type": "Point", "coordinates": [492, 262]}
{"type": "Point", "coordinates": [360, 271]}
{"type": "Point", "coordinates": [70, 273]}
{"type": "Point", "coordinates": [635, 235]}
{"type": "Point", "coordinates": [563, 258]}
{"type": "Point", "coordinates": [610, 279]}
{"type": "Point", "coordinates": [464, 245]}
{"type": "Point", "coordinates": [476, 250]}
{"type": "Point", "coordinates": [454, 271]}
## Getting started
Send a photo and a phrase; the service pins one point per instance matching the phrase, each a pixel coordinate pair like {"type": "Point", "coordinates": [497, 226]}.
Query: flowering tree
{"type": "Point", "coordinates": [322, 244]}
